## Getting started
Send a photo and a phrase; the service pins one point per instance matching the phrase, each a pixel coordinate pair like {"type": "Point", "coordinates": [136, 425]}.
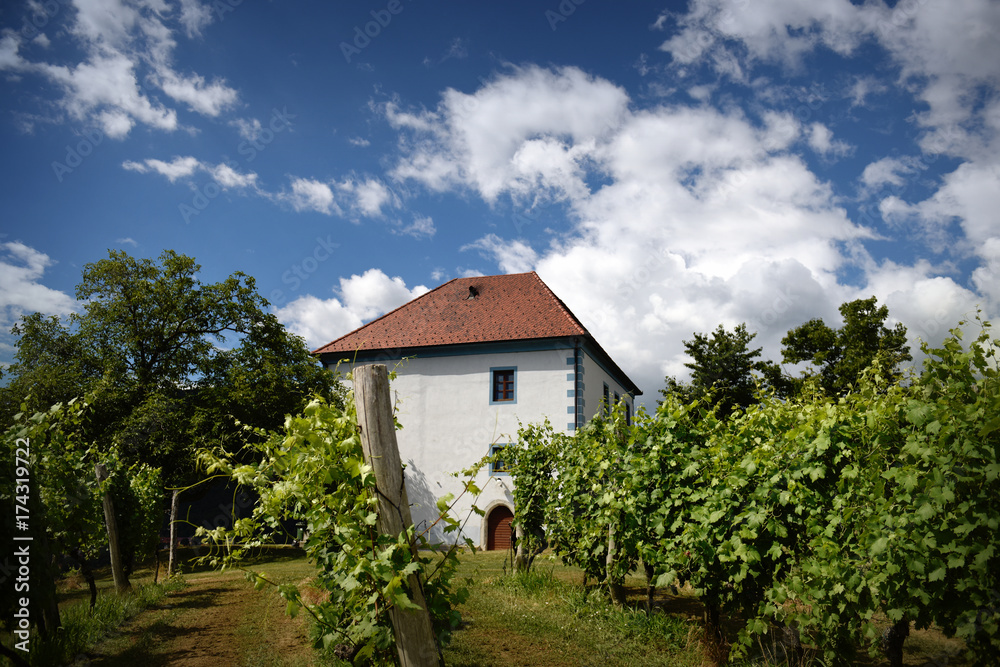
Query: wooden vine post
{"type": "Point", "coordinates": [117, 571]}
{"type": "Point", "coordinates": [415, 641]}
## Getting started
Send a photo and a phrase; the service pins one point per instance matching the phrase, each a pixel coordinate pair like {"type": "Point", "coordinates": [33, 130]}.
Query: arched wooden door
{"type": "Point", "coordinates": [500, 527]}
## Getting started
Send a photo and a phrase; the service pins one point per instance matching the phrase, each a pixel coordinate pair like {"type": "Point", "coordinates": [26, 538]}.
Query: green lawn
{"type": "Point", "coordinates": [544, 618]}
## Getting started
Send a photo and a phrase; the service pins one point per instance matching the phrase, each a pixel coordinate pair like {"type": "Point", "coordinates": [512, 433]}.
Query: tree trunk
{"type": "Point", "coordinates": [892, 641]}
{"type": "Point", "coordinates": [117, 571]}
{"type": "Point", "coordinates": [43, 603]}
{"type": "Point", "coordinates": [525, 555]}
{"type": "Point", "coordinates": [88, 574]}
{"type": "Point", "coordinates": [415, 641]}
{"type": "Point", "coordinates": [521, 562]}
{"type": "Point", "coordinates": [615, 587]}
{"type": "Point", "coordinates": [175, 508]}
{"type": "Point", "coordinates": [15, 659]}
{"type": "Point", "coordinates": [715, 639]}
{"type": "Point", "coordinates": [650, 587]}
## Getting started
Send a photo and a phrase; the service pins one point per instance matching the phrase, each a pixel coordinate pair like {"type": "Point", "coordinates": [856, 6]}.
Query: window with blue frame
{"type": "Point", "coordinates": [498, 466]}
{"type": "Point", "coordinates": [503, 387]}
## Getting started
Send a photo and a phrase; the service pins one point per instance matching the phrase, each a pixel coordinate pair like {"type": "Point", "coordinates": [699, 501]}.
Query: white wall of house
{"type": "Point", "coordinates": [595, 377]}
{"type": "Point", "coordinates": [449, 422]}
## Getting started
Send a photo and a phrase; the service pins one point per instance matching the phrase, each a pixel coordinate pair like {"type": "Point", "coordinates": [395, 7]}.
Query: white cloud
{"type": "Point", "coordinates": [360, 142]}
{"type": "Point", "coordinates": [360, 298]}
{"type": "Point", "coordinates": [422, 227]}
{"type": "Point", "coordinates": [21, 292]}
{"type": "Point", "coordinates": [701, 216]}
{"type": "Point", "coordinates": [179, 167]}
{"type": "Point", "coordinates": [209, 99]}
{"type": "Point", "coordinates": [821, 140]}
{"type": "Point", "coordinates": [367, 196]}
{"type": "Point", "coordinates": [249, 129]}
{"type": "Point", "coordinates": [128, 240]}
{"type": "Point", "coordinates": [228, 177]}
{"type": "Point", "coordinates": [123, 42]}
{"type": "Point", "coordinates": [182, 167]}
{"type": "Point", "coordinates": [475, 139]}
{"type": "Point", "coordinates": [312, 195]}
{"type": "Point", "coordinates": [510, 256]}
{"type": "Point", "coordinates": [195, 16]}
{"type": "Point", "coordinates": [890, 171]}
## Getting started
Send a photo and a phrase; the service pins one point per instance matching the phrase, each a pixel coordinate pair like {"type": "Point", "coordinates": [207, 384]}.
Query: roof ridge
{"type": "Point", "coordinates": [569, 313]}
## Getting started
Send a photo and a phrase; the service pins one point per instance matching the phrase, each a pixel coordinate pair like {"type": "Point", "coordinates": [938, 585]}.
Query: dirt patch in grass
{"type": "Point", "coordinates": [215, 620]}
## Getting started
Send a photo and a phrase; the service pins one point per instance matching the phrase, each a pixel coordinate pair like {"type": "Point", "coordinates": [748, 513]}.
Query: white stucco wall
{"type": "Point", "coordinates": [449, 423]}
{"type": "Point", "coordinates": [594, 379]}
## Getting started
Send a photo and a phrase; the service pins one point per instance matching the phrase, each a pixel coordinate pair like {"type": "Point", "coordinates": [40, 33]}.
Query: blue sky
{"type": "Point", "coordinates": [664, 167]}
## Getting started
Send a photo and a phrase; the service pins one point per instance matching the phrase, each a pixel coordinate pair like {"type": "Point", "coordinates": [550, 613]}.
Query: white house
{"type": "Point", "coordinates": [473, 358]}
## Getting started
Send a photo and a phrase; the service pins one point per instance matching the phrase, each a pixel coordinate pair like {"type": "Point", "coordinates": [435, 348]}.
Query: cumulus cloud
{"type": "Point", "coordinates": [21, 292]}
{"type": "Point", "coordinates": [359, 298]}
{"type": "Point", "coordinates": [122, 43]}
{"type": "Point", "coordinates": [682, 217]}
{"type": "Point", "coordinates": [510, 256]}
{"type": "Point", "coordinates": [484, 140]}
{"type": "Point", "coordinates": [821, 140]}
{"type": "Point", "coordinates": [312, 195]}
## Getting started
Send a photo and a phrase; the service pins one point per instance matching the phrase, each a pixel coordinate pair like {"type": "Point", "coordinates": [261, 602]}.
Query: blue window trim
{"type": "Point", "coordinates": [497, 473]}
{"type": "Point", "coordinates": [493, 370]}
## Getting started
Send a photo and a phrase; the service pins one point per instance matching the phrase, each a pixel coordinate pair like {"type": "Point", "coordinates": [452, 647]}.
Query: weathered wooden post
{"type": "Point", "coordinates": [117, 571]}
{"type": "Point", "coordinates": [415, 642]}
{"type": "Point", "coordinates": [175, 505]}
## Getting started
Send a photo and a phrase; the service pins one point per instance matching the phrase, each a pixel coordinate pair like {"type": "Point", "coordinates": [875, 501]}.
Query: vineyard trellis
{"type": "Point", "coordinates": [821, 518]}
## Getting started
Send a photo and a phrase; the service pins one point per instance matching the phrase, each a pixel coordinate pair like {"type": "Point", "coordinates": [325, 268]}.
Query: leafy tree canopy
{"type": "Point", "coordinates": [725, 371]}
{"type": "Point", "coordinates": [150, 344]}
{"type": "Point", "coordinates": [840, 355]}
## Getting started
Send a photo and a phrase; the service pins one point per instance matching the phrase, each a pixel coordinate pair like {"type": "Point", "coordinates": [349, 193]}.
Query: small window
{"type": "Point", "coordinates": [498, 466]}
{"type": "Point", "coordinates": [503, 389]}
{"type": "Point", "coordinates": [628, 413]}
{"type": "Point", "coordinates": [607, 400]}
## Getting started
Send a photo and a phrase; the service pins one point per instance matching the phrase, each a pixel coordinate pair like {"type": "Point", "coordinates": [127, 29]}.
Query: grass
{"type": "Point", "coordinates": [83, 627]}
{"type": "Point", "coordinates": [545, 617]}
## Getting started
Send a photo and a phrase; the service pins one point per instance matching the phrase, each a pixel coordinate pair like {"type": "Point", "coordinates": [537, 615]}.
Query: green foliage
{"type": "Point", "coordinates": [831, 514]}
{"type": "Point", "coordinates": [65, 500]}
{"type": "Point", "coordinates": [841, 355]}
{"type": "Point", "coordinates": [531, 462]}
{"type": "Point", "coordinates": [148, 348]}
{"type": "Point", "coordinates": [314, 472]}
{"type": "Point", "coordinates": [725, 371]}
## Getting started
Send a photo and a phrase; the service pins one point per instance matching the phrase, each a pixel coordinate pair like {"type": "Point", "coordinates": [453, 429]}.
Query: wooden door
{"type": "Point", "coordinates": [500, 526]}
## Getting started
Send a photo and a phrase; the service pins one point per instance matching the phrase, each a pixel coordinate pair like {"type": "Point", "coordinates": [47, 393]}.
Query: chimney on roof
{"type": "Point", "coordinates": [473, 293]}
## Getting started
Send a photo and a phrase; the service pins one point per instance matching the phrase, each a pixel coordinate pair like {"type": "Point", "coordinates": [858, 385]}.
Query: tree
{"type": "Point", "coordinates": [725, 371]}
{"type": "Point", "coordinates": [50, 366]}
{"type": "Point", "coordinates": [148, 347]}
{"type": "Point", "coordinates": [841, 355]}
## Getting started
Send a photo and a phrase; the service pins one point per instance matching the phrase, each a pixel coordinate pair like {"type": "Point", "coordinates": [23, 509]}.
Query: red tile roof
{"type": "Point", "coordinates": [485, 309]}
